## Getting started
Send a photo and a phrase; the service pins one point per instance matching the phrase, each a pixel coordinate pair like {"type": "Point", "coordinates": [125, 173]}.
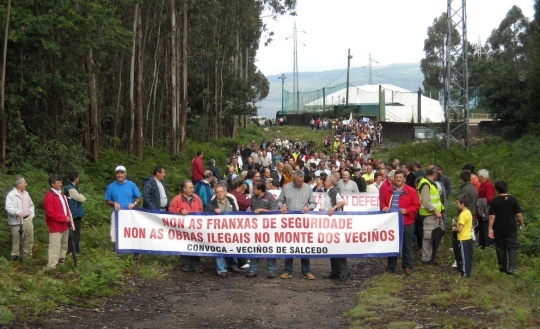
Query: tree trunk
{"type": "Point", "coordinates": [3, 114]}
{"type": "Point", "coordinates": [174, 108]}
{"type": "Point", "coordinates": [183, 124]}
{"type": "Point", "coordinates": [132, 82]}
{"type": "Point", "coordinates": [139, 123]}
{"type": "Point", "coordinates": [94, 128]}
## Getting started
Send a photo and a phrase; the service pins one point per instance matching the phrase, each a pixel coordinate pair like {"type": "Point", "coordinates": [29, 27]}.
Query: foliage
{"type": "Point", "coordinates": [433, 65]}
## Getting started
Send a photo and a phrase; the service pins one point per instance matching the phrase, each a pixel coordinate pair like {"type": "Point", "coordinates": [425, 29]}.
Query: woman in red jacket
{"type": "Point", "coordinates": [404, 199]}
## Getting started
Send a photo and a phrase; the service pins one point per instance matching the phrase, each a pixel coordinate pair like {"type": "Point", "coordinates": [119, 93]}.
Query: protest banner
{"type": "Point", "coordinates": [362, 201]}
{"type": "Point", "coordinates": [246, 234]}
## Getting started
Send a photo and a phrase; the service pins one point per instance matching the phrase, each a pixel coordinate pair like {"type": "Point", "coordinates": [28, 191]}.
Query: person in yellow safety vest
{"type": "Point", "coordinates": [431, 208]}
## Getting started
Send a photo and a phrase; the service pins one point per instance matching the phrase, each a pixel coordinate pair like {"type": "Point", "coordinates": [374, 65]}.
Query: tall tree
{"type": "Point", "coordinates": [433, 64]}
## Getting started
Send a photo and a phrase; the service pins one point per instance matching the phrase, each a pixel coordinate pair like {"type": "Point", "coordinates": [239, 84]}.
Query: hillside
{"type": "Point", "coordinates": [406, 75]}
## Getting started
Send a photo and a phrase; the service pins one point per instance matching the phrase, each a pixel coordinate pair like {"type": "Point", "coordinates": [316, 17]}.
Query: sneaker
{"type": "Point", "coordinates": [271, 275]}
{"type": "Point", "coordinates": [245, 266]}
{"type": "Point", "coordinates": [286, 275]}
{"type": "Point", "coordinates": [234, 269]}
{"type": "Point", "coordinates": [309, 276]}
{"type": "Point", "coordinates": [222, 274]}
{"type": "Point", "coordinates": [454, 265]}
{"type": "Point", "coordinates": [251, 275]}
{"type": "Point", "coordinates": [407, 272]}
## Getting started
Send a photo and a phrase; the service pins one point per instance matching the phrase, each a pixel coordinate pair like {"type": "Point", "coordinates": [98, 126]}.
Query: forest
{"type": "Point", "coordinates": [80, 77]}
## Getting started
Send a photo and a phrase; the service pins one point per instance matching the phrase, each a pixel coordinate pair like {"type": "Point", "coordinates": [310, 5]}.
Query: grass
{"type": "Point", "coordinates": [387, 301]}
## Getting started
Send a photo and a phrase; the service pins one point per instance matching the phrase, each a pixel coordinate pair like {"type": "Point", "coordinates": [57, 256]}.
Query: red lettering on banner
{"type": "Point", "coordinates": [156, 234]}
{"type": "Point", "coordinates": [173, 222]}
{"type": "Point", "coordinates": [328, 237]}
{"type": "Point", "coordinates": [294, 237]}
{"type": "Point", "coordinates": [363, 200]}
{"type": "Point", "coordinates": [135, 232]}
{"type": "Point", "coordinates": [228, 238]}
{"type": "Point", "coordinates": [188, 236]}
{"type": "Point", "coordinates": [263, 237]}
{"type": "Point", "coordinates": [269, 222]}
{"type": "Point", "coordinates": [373, 236]}
{"type": "Point", "coordinates": [232, 223]}
{"type": "Point", "coordinates": [196, 224]}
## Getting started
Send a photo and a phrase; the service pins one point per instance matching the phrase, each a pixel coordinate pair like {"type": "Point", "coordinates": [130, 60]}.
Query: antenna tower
{"type": "Point", "coordinates": [296, 90]}
{"type": "Point", "coordinates": [456, 85]}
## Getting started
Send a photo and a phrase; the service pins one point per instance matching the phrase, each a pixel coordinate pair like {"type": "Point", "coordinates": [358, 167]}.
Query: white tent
{"type": "Point", "coordinates": [401, 105]}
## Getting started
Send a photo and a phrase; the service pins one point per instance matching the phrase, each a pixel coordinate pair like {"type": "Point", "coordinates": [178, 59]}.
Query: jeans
{"type": "Point", "coordinates": [303, 261]}
{"type": "Point", "coordinates": [406, 250]}
{"type": "Point", "coordinates": [221, 263]}
{"type": "Point", "coordinates": [254, 265]}
{"type": "Point", "coordinates": [506, 248]}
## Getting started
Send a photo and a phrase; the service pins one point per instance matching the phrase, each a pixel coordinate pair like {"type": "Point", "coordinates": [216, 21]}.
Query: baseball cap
{"type": "Point", "coordinates": [120, 168]}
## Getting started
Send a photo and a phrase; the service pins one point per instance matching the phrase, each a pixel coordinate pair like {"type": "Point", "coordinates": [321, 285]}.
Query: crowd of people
{"type": "Point", "coordinates": [344, 164]}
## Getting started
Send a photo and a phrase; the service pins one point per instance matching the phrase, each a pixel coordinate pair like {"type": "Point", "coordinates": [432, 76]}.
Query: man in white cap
{"type": "Point", "coordinates": [121, 193]}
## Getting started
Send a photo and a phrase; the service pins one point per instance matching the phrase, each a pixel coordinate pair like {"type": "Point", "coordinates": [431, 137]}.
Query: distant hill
{"type": "Point", "coordinates": [407, 75]}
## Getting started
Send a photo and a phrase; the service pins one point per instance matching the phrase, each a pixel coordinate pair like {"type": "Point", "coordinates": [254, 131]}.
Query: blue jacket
{"type": "Point", "coordinates": [77, 208]}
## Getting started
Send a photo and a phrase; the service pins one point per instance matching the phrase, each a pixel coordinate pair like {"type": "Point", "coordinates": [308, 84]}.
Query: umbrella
{"type": "Point", "coordinates": [436, 235]}
{"type": "Point", "coordinates": [74, 250]}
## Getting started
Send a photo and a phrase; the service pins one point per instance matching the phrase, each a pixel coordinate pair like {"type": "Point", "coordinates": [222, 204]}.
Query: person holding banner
{"type": "Point", "coordinates": [220, 204]}
{"type": "Point", "coordinates": [121, 193]}
{"type": "Point", "coordinates": [262, 201]}
{"type": "Point", "coordinates": [185, 203]}
{"type": "Point", "coordinates": [403, 199]}
{"type": "Point", "coordinates": [297, 196]}
{"type": "Point", "coordinates": [58, 218]}
{"type": "Point", "coordinates": [334, 202]}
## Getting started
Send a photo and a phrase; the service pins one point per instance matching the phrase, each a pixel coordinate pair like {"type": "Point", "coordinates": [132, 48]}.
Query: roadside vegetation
{"type": "Point", "coordinates": [28, 293]}
{"type": "Point", "coordinates": [437, 295]}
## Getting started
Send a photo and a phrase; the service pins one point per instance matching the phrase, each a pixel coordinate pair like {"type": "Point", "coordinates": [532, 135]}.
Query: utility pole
{"type": "Point", "coordinates": [370, 67]}
{"type": "Point", "coordinates": [282, 78]}
{"type": "Point", "coordinates": [348, 68]}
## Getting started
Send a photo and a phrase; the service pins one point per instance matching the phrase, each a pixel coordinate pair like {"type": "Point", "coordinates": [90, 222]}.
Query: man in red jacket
{"type": "Point", "coordinates": [403, 199]}
{"type": "Point", "coordinates": [58, 219]}
{"type": "Point", "coordinates": [197, 168]}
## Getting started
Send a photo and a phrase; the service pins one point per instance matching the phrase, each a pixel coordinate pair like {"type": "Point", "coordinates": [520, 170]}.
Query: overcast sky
{"type": "Point", "coordinates": [392, 31]}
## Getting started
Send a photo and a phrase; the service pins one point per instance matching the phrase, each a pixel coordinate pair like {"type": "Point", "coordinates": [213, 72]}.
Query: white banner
{"type": "Point", "coordinates": [363, 201]}
{"type": "Point", "coordinates": [246, 234]}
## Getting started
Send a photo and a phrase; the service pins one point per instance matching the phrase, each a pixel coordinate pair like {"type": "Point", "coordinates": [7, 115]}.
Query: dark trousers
{"type": "Point", "coordinates": [190, 261]}
{"type": "Point", "coordinates": [339, 268]}
{"type": "Point", "coordinates": [483, 238]}
{"type": "Point", "coordinates": [506, 248]}
{"type": "Point", "coordinates": [76, 236]}
{"type": "Point", "coordinates": [419, 230]}
{"type": "Point", "coordinates": [406, 250]}
{"type": "Point", "coordinates": [463, 251]}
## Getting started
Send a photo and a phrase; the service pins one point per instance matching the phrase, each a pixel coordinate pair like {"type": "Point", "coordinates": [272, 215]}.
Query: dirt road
{"type": "Point", "coordinates": [189, 300]}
